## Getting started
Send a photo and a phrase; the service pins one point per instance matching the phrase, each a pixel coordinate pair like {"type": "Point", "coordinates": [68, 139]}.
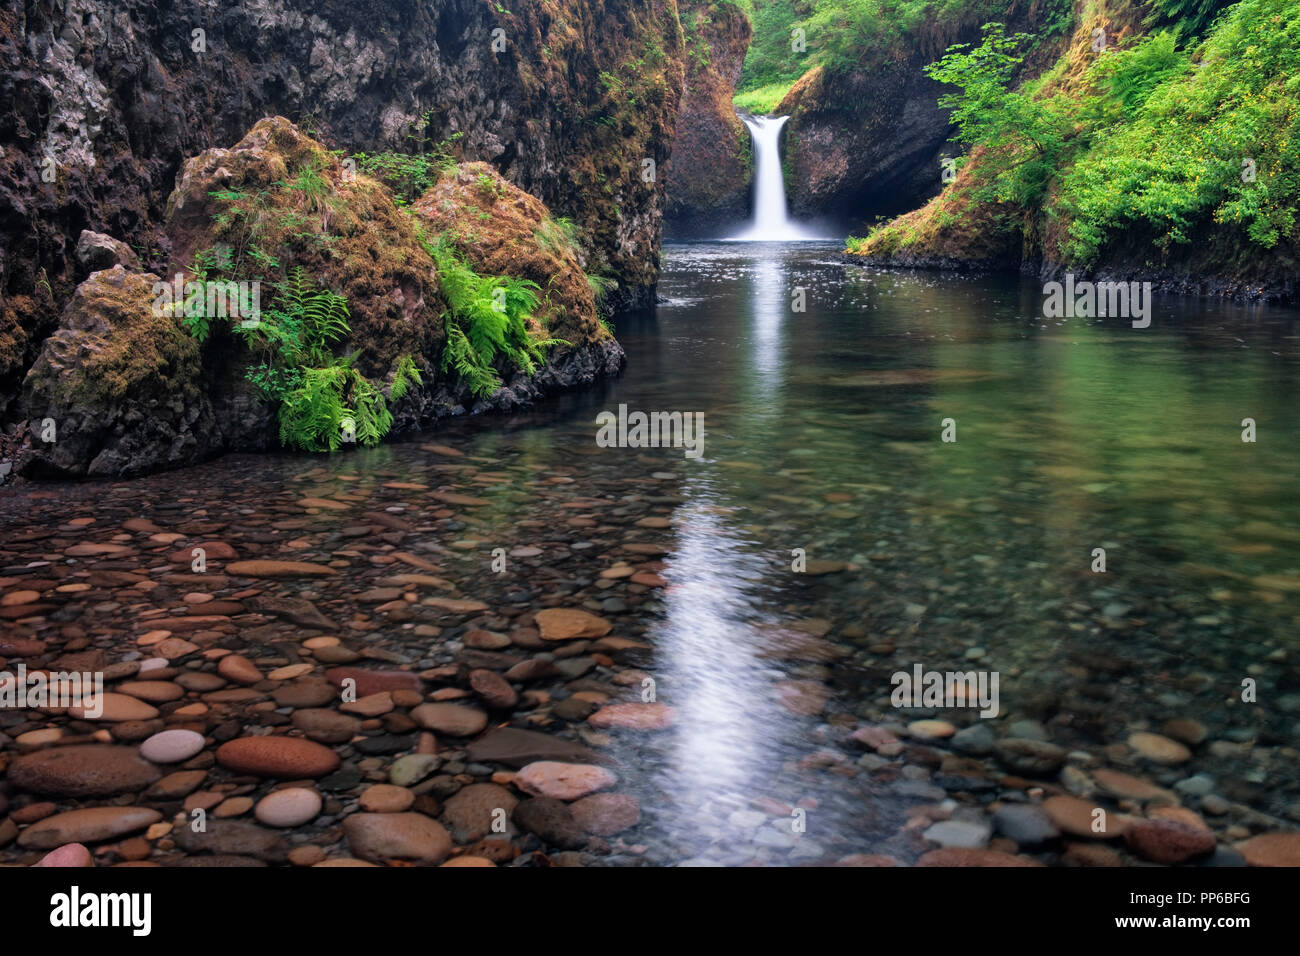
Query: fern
{"type": "Point", "coordinates": [405, 375]}
{"type": "Point", "coordinates": [487, 320]}
{"type": "Point", "coordinates": [312, 415]}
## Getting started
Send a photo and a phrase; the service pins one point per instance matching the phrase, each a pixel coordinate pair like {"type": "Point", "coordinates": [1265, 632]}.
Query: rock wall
{"type": "Point", "coordinates": [106, 98]}
{"type": "Point", "coordinates": [867, 142]}
{"type": "Point", "coordinates": [709, 176]}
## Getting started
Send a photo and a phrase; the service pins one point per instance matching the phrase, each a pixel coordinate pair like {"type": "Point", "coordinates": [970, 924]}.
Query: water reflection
{"type": "Point", "coordinates": [727, 725]}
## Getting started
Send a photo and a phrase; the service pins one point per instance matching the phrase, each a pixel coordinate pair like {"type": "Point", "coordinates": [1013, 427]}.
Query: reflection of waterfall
{"type": "Point", "coordinates": [770, 303]}
{"type": "Point", "coordinates": [728, 720]}
{"type": "Point", "coordinates": [771, 222]}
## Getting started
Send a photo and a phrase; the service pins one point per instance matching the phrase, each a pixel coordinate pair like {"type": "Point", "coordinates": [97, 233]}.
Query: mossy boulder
{"type": "Point", "coordinates": [279, 199]}
{"type": "Point", "coordinates": [131, 389]}
{"type": "Point", "coordinates": [502, 230]}
{"type": "Point", "coordinates": [118, 382]}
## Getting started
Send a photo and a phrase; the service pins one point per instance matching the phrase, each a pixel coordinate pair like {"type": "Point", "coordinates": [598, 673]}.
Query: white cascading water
{"type": "Point", "coordinates": [771, 222]}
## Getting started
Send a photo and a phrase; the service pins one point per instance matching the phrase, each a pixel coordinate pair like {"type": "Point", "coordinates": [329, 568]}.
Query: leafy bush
{"type": "Point", "coordinates": [1027, 134]}
{"type": "Point", "coordinates": [1131, 76]}
{"type": "Point", "coordinates": [1181, 163]}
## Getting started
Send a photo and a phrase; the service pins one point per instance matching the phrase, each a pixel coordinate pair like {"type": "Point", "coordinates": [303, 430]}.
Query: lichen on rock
{"type": "Point", "coordinates": [115, 378]}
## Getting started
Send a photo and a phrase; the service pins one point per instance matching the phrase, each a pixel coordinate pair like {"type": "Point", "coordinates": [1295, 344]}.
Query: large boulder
{"type": "Point", "coordinates": [115, 386]}
{"type": "Point", "coordinates": [96, 251]}
{"type": "Point", "coordinates": [280, 195]}
{"type": "Point", "coordinates": [502, 230]}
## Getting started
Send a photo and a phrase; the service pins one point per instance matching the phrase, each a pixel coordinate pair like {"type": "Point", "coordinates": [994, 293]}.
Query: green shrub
{"type": "Point", "coordinates": [319, 394]}
{"type": "Point", "coordinates": [1180, 163]}
{"type": "Point", "coordinates": [1027, 135]}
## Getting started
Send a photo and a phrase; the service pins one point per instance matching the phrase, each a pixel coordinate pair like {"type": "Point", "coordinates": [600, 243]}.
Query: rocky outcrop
{"type": "Point", "coordinates": [279, 199]}
{"type": "Point", "coordinates": [708, 178]}
{"type": "Point", "coordinates": [128, 385]}
{"type": "Point", "coordinates": [864, 142]}
{"type": "Point", "coordinates": [502, 230]}
{"type": "Point", "coordinates": [107, 98]}
{"type": "Point", "coordinates": [868, 141]}
{"type": "Point", "coordinates": [116, 383]}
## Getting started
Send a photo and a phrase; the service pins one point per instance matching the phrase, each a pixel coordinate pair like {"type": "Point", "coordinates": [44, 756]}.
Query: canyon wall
{"type": "Point", "coordinates": [106, 99]}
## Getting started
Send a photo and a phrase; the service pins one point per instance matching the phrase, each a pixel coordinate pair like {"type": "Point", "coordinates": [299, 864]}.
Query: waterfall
{"type": "Point", "coordinates": [771, 222]}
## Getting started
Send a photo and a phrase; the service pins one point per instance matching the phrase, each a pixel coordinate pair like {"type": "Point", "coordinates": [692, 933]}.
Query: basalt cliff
{"type": "Point", "coordinates": [126, 118]}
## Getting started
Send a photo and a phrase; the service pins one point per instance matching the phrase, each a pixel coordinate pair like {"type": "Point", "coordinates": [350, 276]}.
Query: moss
{"type": "Point", "coordinates": [519, 238]}
{"type": "Point", "coordinates": [279, 200]}
{"type": "Point", "coordinates": [113, 345]}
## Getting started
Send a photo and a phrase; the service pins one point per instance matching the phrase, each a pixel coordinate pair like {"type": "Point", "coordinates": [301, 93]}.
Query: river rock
{"type": "Point", "coordinates": [380, 837]}
{"type": "Point", "coordinates": [232, 838]}
{"type": "Point", "coordinates": [633, 716]}
{"type": "Point", "coordinates": [308, 692]}
{"type": "Point", "coordinates": [567, 624]}
{"type": "Point", "coordinates": [290, 807]}
{"type": "Point", "coordinates": [172, 746]}
{"type": "Point", "coordinates": [959, 833]}
{"type": "Point", "coordinates": [285, 758]}
{"type": "Point", "coordinates": [1025, 823]}
{"type": "Point", "coordinates": [1030, 758]}
{"type": "Point", "coordinates": [239, 669]}
{"type": "Point", "coordinates": [1168, 841]}
{"type": "Point", "coordinates": [115, 707]}
{"type": "Point", "coordinates": [1159, 749]}
{"type": "Point", "coordinates": [386, 798]}
{"type": "Point", "coordinates": [326, 726]}
{"type": "Point", "coordinates": [212, 551]}
{"type": "Point", "coordinates": [469, 812]}
{"type": "Point", "coordinates": [563, 781]}
{"type": "Point", "coordinates": [1271, 849]}
{"type": "Point", "coordinates": [551, 821]}
{"type": "Point", "coordinates": [1077, 816]}
{"type": "Point", "coordinates": [82, 770]}
{"type": "Point", "coordinates": [494, 689]}
{"type": "Point", "coordinates": [279, 569]}
{"type": "Point", "coordinates": [367, 682]}
{"type": "Point", "coordinates": [93, 825]}
{"type": "Point", "coordinates": [152, 691]}
{"type": "Point", "coordinates": [516, 747]}
{"type": "Point", "coordinates": [72, 855]}
{"type": "Point", "coordinates": [410, 769]}
{"type": "Point", "coordinates": [456, 720]}
{"type": "Point", "coordinates": [606, 814]}
{"type": "Point", "coordinates": [1130, 787]}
